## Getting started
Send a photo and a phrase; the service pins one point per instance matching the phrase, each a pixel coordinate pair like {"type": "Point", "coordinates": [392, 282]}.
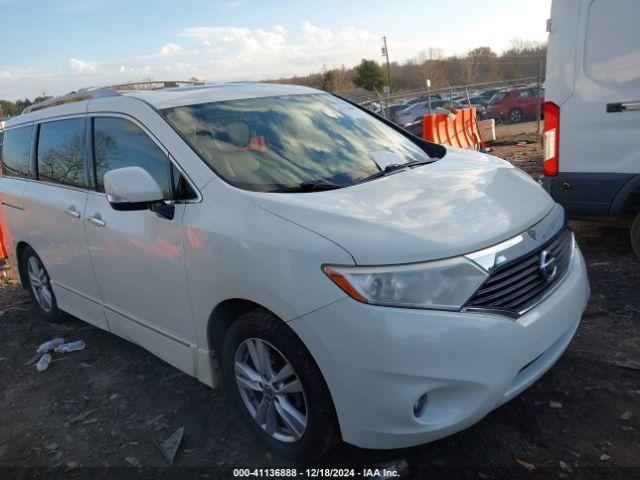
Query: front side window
{"type": "Point", "coordinates": [499, 96]}
{"type": "Point", "coordinates": [274, 143]}
{"type": "Point", "coordinates": [16, 152]}
{"type": "Point", "coordinates": [61, 152]}
{"type": "Point", "coordinates": [120, 143]}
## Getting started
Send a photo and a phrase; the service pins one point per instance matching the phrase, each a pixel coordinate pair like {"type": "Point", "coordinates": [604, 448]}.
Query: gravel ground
{"type": "Point", "coordinates": [105, 406]}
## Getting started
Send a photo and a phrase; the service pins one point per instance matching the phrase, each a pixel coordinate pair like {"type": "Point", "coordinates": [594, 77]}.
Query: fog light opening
{"type": "Point", "coordinates": [421, 405]}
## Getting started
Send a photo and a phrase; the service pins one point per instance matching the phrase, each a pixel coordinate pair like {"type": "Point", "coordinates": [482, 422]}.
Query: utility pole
{"type": "Point", "coordinates": [385, 53]}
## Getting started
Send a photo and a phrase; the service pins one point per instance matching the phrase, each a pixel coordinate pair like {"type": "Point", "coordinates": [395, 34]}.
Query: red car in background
{"type": "Point", "coordinates": [515, 104]}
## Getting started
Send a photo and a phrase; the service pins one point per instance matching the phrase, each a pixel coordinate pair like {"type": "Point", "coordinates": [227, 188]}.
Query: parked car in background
{"type": "Point", "coordinates": [349, 280]}
{"type": "Point", "coordinates": [592, 113]}
{"type": "Point", "coordinates": [486, 94]}
{"type": "Point", "coordinates": [515, 105]}
{"type": "Point", "coordinates": [415, 112]}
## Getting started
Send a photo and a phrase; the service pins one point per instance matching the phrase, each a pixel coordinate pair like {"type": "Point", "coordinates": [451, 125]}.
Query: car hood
{"type": "Point", "coordinates": [463, 202]}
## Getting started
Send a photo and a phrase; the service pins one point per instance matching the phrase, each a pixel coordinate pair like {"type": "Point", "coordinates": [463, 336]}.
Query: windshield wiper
{"type": "Point", "coordinates": [394, 168]}
{"type": "Point", "coordinates": [310, 187]}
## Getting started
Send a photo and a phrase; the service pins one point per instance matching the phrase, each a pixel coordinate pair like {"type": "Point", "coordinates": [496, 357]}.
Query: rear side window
{"type": "Point", "coordinates": [61, 152]}
{"type": "Point", "coordinates": [16, 152]}
{"type": "Point", "coordinates": [120, 143]}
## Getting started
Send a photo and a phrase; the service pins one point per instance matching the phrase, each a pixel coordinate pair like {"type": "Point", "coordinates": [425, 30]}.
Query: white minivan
{"type": "Point", "coordinates": [346, 279]}
{"type": "Point", "coordinates": [592, 114]}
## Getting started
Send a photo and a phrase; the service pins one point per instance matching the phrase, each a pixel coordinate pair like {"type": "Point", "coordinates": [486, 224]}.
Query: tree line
{"type": "Point", "coordinates": [11, 109]}
{"type": "Point", "coordinates": [522, 59]}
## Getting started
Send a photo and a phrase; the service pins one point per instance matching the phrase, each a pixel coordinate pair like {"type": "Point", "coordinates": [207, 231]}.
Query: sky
{"type": "Point", "coordinates": [57, 46]}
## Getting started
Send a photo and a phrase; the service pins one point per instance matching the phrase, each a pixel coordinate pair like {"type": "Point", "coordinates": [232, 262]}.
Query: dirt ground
{"type": "Point", "coordinates": [105, 406]}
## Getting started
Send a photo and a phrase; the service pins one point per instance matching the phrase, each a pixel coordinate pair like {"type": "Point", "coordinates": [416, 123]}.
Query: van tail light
{"type": "Point", "coordinates": [551, 139]}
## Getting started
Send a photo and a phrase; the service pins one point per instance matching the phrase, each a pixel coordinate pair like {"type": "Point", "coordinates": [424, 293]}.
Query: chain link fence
{"type": "Point", "coordinates": [515, 105]}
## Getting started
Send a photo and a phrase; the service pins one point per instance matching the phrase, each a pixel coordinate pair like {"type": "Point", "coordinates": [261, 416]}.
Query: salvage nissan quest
{"type": "Point", "coordinates": [345, 279]}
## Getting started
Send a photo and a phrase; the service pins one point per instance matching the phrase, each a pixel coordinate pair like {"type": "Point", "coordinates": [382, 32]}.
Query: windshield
{"type": "Point", "coordinates": [275, 143]}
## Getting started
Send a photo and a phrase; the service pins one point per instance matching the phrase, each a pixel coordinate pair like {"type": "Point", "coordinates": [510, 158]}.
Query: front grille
{"type": "Point", "coordinates": [514, 287]}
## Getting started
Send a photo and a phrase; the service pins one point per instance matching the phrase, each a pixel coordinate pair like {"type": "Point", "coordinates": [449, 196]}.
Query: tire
{"type": "Point", "coordinates": [635, 236]}
{"type": "Point", "coordinates": [516, 115]}
{"type": "Point", "coordinates": [247, 337]}
{"type": "Point", "coordinates": [38, 282]}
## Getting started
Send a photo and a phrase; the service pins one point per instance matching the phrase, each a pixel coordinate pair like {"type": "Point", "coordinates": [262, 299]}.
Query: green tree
{"type": "Point", "coordinates": [369, 75]}
{"type": "Point", "coordinates": [334, 80]}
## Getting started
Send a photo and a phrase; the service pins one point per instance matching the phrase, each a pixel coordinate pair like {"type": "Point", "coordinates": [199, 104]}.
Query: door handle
{"type": "Point", "coordinates": [97, 221]}
{"type": "Point", "coordinates": [622, 107]}
{"type": "Point", "coordinates": [72, 212]}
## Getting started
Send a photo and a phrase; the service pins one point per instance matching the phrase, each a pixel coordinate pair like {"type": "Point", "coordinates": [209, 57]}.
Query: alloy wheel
{"type": "Point", "coordinates": [515, 116]}
{"type": "Point", "coordinates": [270, 390]}
{"type": "Point", "coordinates": [40, 285]}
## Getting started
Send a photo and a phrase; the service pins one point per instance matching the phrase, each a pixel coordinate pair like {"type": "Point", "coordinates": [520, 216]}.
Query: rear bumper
{"type": "Point", "coordinates": [378, 361]}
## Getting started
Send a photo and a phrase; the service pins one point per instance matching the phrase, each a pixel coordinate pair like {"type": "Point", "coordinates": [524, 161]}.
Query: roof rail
{"type": "Point", "coordinates": [72, 97]}
{"type": "Point", "coordinates": [107, 91]}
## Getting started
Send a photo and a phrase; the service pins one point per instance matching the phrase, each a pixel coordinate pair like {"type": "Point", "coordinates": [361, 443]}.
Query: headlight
{"type": "Point", "coordinates": [443, 284]}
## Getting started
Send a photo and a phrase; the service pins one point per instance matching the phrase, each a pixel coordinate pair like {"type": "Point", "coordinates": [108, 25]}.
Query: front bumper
{"type": "Point", "coordinates": [377, 361]}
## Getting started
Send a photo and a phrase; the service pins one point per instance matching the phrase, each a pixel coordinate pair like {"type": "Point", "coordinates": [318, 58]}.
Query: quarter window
{"type": "Point", "coordinates": [120, 143]}
{"type": "Point", "coordinates": [61, 152]}
{"type": "Point", "coordinates": [16, 152]}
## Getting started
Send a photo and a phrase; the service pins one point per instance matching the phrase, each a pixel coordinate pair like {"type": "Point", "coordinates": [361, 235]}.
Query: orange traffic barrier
{"type": "Point", "coordinates": [3, 250]}
{"type": "Point", "coordinates": [459, 130]}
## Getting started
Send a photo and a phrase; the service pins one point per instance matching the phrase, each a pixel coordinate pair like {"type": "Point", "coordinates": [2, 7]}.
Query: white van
{"type": "Point", "coordinates": [592, 114]}
{"type": "Point", "coordinates": [350, 280]}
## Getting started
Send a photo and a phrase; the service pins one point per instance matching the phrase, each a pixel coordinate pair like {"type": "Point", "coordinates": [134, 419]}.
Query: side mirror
{"type": "Point", "coordinates": [133, 188]}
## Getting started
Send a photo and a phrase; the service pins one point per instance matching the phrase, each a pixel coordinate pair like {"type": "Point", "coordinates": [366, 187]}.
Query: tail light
{"type": "Point", "coordinates": [551, 139]}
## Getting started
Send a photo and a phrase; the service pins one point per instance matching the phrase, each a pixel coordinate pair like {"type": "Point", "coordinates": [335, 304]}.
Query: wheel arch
{"type": "Point", "coordinates": [223, 316]}
{"type": "Point", "coordinates": [20, 248]}
{"type": "Point", "coordinates": [627, 200]}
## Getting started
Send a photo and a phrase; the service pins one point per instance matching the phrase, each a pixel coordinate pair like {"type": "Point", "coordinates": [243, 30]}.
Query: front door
{"type": "Point", "coordinates": [138, 256]}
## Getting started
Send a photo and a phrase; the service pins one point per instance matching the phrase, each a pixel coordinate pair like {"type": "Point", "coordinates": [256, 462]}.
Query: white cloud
{"type": "Point", "coordinates": [170, 49]}
{"type": "Point", "coordinates": [82, 66]}
{"type": "Point", "coordinates": [316, 35]}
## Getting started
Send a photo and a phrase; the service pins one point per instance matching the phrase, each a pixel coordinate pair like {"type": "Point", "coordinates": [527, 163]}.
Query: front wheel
{"type": "Point", "coordinates": [39, 285]}
{"type": "Point", "coordinates": [277, 387]}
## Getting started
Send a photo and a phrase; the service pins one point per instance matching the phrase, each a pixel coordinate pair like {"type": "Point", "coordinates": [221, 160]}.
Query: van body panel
{"type": "Point", "coordinates": [588, 72]}
{"type": "Point", "coordinates": [138, 259]}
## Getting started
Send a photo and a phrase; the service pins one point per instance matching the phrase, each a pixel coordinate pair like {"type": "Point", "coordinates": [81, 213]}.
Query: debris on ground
{"type": "Point", "coordinates": [44, 362]}
{"type": "Point", "coordinates": [50, 345]}
{"type": "Point", "coordinates": [81, 417]}
{"type": "Point", "coordinates": [564, 466]}
{"type": "Point", "coordinates": [170, 446]}
{"type": "Point", "coordinates": [132, 461]}
{"type": "Point", "coordinates": [32, 360]}
{"type": "Point", "coordinates": [555, 404]}
{"type": "Point", "coordinates": [70, 347]}
{"type": "Point", "coordinates": [529, 466]}
{"type": "Point", "coordinates": [626, 415]}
